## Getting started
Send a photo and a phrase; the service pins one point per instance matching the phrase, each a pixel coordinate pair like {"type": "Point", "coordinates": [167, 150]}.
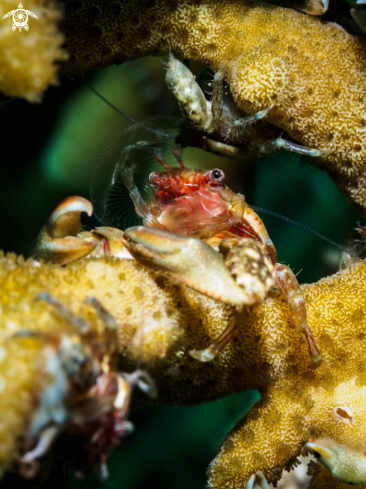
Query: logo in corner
{"type": "Point", "coordinates": [20, 18]}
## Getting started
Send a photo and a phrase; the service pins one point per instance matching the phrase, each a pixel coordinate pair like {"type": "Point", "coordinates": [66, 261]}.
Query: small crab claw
{"type": "Point", "coordinates": [257, 480]}
{"type": "Point", "coordinates": [190, 260]}
{"type": "Point", "coordinates": [345, 464]}
{"type": "Point", "coordinates": [57, 241]}
{"type": "Point", "coordinates": [144, 382]}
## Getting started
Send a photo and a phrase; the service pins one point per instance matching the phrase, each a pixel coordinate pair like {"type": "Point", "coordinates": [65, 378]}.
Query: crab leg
{"type": "Point", "coordinates": [273, 145]}
{"type": "Point", "coordinates": [82, 326]}
{"type": "Point", "coordinates": [46, 439]}
{"type": "Point", "coordinates": [245, 121]}
{"type": "Point", "coordinates": [144, 382]}
{"type": "Point", "coordinates": [28, 463]}
{"type": "Point", "coordinates": [213, 350]}
{"type": "Point", "coordinates": [287, 283]}
{"type": "Point", "coordinates": [217, 103]}
{"type": "Point", "coordinates": [110, 331]}
{"type": "Point", "coordinates": [195, 264]}
{"type": "Point", "coordinates": [257, 480]}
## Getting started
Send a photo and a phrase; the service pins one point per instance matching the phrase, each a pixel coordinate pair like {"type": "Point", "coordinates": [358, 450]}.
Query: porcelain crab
{"type": "Point", "coordinates": [200, 232]}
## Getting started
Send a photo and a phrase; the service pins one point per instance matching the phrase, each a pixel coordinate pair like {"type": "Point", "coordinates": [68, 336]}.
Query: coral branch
{"type": "Point", "coordinates": [314, 70]}
{"type": "Point", "coordinates": [28, 58]}
{"type": "Point", "coordinates": [169, 320]}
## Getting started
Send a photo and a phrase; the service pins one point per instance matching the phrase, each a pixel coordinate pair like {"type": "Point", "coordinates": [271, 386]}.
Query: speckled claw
{"type": "Point", "coordinates": [257, 480]}
{"type": "Point", "coordinates": [189, 260]}
{"type": "Point", "coordinates": [57, 241]}
{"type": "Point", "coordinates": [249, 263]}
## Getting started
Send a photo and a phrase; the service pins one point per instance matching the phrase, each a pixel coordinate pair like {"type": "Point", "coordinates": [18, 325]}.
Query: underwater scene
{"type": "Point", "coordinates": [182, 275]}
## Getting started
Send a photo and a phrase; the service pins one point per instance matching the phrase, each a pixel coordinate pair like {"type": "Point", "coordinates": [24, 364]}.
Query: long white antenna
{"type": "Point", "coordinates": [125, 115]}
{"type": "Point", "coordinates": [305, 228]}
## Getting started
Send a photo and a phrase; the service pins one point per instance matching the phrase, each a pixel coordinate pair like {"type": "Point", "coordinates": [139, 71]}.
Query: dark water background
{"type": "Point", "coordinates": [47, 152]}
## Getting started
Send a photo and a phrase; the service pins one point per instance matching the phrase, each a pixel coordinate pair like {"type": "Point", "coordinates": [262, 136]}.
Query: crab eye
{"type": "Point", "coordinates": [217, 175]}
{"type": "Point", "coordinates": [152, 177]}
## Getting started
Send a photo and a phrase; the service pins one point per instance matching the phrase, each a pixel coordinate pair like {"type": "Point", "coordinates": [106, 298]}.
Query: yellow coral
{"type": "Point", "coordinates": [298, 403]}
{"type": "Point", "coordinates": [267, 354]}
{"type": "Point", "coordinates": [28, 59]}
{"type": "Point", "coordinates": [314, 70]}
{"type": "Point", "coordinates": [148, 315]}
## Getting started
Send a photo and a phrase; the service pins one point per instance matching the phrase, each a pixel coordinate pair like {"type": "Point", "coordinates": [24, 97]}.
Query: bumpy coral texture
{"type": "Point", "coordinates": [314, 70]}
{"type": "Point", "coordinates": [267, 354]}
{"type": "Point", "coordinates": [28, 59]}
{"type": "Point", "coordinates": [149, 322]}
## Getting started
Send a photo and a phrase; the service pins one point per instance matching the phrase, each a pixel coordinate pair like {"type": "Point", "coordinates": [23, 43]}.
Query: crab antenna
{"type": "Point", "coordinates": [125, 115]}
{"type": "Point", "coordinates": [158, 155]}
{"type": "Point", "coordinates": [309, 230]}
{"type": "Point", "coordinates": [177, 153]}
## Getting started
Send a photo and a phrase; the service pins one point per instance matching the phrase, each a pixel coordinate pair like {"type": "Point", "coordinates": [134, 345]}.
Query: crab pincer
{"type": "Point", "coordinates": [345, 464]}
{"type": "Point", "coordinates": [194, 262]}
{"type": "Point", "coordinates": [199, 266]}
{"type": "Point", "coordinates": [57, 242]}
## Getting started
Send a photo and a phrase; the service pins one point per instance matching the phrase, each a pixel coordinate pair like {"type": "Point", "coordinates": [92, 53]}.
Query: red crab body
{"type": "Point", "coordinates": [196, 203]}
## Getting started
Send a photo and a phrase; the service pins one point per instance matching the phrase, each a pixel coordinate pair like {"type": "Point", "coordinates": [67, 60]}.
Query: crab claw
{"type": "Point", "coordinates": [345, 464]}
{"type": "Point", "coordinates": [189, 260]}
{"type": "Point", "coordinates": [57, 241]}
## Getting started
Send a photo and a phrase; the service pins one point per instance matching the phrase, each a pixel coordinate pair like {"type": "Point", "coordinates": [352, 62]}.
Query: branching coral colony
{"type": "Point", "coordinates": [313, 70]}
{"type": "Point", "coordinates": [297, 402]}
{"type": "Point", "coordinates": [314, 74]}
